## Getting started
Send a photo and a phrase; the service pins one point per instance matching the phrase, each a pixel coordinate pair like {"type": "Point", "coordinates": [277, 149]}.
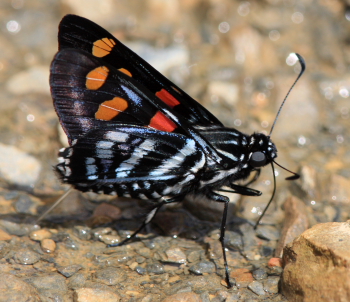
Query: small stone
{"type": "Point", "coordinates": [49, 282]}
{"type": "Point", "coordinates": [39, 235]}
{"type": "Point", "coordinates": [4, 236]}
{"type": "Point", "coordinates": [17, 167]}
{"type": "Point", "coordinates": [77, 281]}
{"type": "Point", "coordinates": [242, 276]}
{"type": "Point", "coordinates": [4, 248]}
{"type": "Point", "coordinates": [275, 262]}
{"type": "Point", "coordinates": [110, 239]}
{"type": "Point", "coordinates": [98, 232]}
{"type": "Point", "coordinates": [296, 221]}
{"type": "Point", "coordinates": [155, 268]}
{"type": "Point", "coordinates": [18, 229]}
{"type": "Point", "coordinates": [183, 297]}
{"type": "Point", "coordinates": [48, 245]}
{"type": "Point", "coordinates": [257, 288]}
{"type": "Point", "coordinates": [110, 275]}
{"type": "Point", "coordinates": [260, 274]}
{"type": "Point", "coordinates": [27, 256]}
{"type": "Point", "coordinates": [203, 267]}
{"type": "Point", "coordinates": [176, 255]}
{"type": "Point", "coordinates": [268, 232]}
{"type": "Point", "coordinates": [70, 270]}
{"type": "Point", "coordinates": [14, 289]}
{"type": "Point", "coordinates": [145, 252]}
{"type": "Point", "coordinates": [194, 256]}
{"type": "Point", "coordinates": [133, 265]}
{"type": "Point", "coordinates": [140, 270]}
{"type": "Point", "coordinates": [106, 209]}
{"type": "Point", "coordinates": [271, 284]}
{"type": "Point", "coordinates": [140, 259]}
{"type": "Point", "coordinates": [95, 295]}
{"type": "Point", "coordinates": [82, 232]}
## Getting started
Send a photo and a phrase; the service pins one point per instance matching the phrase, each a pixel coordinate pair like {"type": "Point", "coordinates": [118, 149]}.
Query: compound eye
{"type": "Point", "coordinates": [258, 159]}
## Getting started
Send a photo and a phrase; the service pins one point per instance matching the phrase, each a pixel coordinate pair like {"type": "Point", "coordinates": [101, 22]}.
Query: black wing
{"type": "Point", "coordinates": [91, 94]}
{"type": "Point", "coordinates": [80, 33]}
{"type": "Point", "coordinates": [132, 161]}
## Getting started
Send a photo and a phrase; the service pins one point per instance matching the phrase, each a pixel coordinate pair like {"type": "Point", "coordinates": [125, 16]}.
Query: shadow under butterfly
{"type": "Point", "coordinates": [133, 133]}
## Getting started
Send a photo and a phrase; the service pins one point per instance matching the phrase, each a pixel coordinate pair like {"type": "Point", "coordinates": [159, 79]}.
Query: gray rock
{"type": "Point", "coordinates": [203, 267]}
{"type": "Point", "coordinates": [110, 276]}
{"type": "Point", "coordinates": [257, 288]}
{"type": "Point", "coordinates": [70, 270]}
{"type": "Point", "coordinates": [26, 256]}
{"type": "Point", "coordinates": [155, 268]}
{"type": "Point", "coordinates": [17, 167]}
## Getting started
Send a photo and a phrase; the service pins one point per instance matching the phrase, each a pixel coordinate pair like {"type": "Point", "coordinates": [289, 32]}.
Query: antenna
{"type": "Point", "coordinates": [303, 67]}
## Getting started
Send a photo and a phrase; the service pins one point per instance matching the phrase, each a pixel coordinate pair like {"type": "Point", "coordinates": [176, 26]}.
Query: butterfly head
{"type": "Point", "coordinates": [262, 150]}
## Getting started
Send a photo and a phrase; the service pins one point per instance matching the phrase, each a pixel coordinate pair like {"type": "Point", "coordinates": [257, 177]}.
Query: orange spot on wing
{"type": "Point", "coordinates": [110, 109]}
{"type": "Point", "coordinates": [167, 98]}
{"type": "Point", "coordinates": [125, 71]}
{"type": "Point", "coordinates": [103, 47]}
{"type": "Point", "coordinates": [161, 122]}
{"type": "Point", "coordinates": [96, 78]}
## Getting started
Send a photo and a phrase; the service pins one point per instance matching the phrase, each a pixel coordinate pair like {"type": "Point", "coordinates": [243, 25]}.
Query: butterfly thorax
{"type": "Point", "coordinates": [241, 154]}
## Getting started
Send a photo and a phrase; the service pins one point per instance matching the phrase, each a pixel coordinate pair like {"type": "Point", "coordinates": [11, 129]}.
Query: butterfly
{"type": "Point", "coordinates": [134, 133]}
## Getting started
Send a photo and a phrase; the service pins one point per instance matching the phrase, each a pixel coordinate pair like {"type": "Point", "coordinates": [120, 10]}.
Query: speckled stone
{"type": "Point", "coordinates": [203, 267]}
{"type": "Point", "coordinates": [70, 270]}
{"type": "Point", "coordinates": [155, 268]}
{"type": "Point", "coordinates": [95, 295]}
{"type": "Point", "coordinates": [48, 245]}
{"type": "Point", "coordinates": [257, 288]}
{"type": "Point", "coordinates": [26, 256]}
{"type": "Point", "coordinates": [110, 275]}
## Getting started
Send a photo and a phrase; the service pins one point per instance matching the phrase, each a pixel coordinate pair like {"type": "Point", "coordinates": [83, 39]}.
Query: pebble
{"type": "Point", "coordinates": [176, 255]}
{"type": "Point", "coordinates": [49, 282]}
{"type": "Point", "coordinates": [18, 229]}
{"type": "Point", "coordinates": [183, 297]}
{"type": "Point", "coordinates": [32, 80]}
{"type": "Point", "coordinates": [39, 235]}
{"type": "Point", "coordinates": [145, 252]}
{"type": "Point", "coordinates": [48, 245]}
{"type": "Point", "coordinates": [95, 295]}
{"type": "Point", "coordinates": [155, 268]}
{"type": "Point", "coordinates": [17, 167]}
{"type": "Point", "coordinates": [257, 287]}
{"type": "Point", "coordinates": [271, 284]}
{"type": "Point", "coordinates": [203, 267]}
{"type": "Point", "coordinates": [4, 235]}
{"type": "Point", "coordinates": [260, 274]}
{"type": "Point", "coordinates": [140, 270]}
{"type": "Point", "coordinates": [242, 276]}
{"type": "Point", "coordinates": [26, 256]}
{"type": "Point", "coordinates": [4, 249]}
{"type": "Point", "coordinates": [77, 281]}
{"type": "Point", "coordinates": [105, 209]}
{"type": "Point", "coordinates": [70, 270]}
{"type": "Point", "coordinates": [82, 232]}
{"type": "Point", "coordinates": [27, 204]}
{"type": "Point", "coordinates": [110, 239]}
{"type": "Point", "coordinates": [268, 232]}
{"type": "Point", "coordinates": [194, 256]}
{"type": "Point", "coordinates": [13, 289]}
{"type": "Point", "coordinates": [110, 276]}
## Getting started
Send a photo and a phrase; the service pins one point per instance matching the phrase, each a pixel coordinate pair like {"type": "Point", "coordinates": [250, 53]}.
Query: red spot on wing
{"type": "Point", "coordinates": [161, 122]}
{"type": "Point", "coordinates": [167, 98]}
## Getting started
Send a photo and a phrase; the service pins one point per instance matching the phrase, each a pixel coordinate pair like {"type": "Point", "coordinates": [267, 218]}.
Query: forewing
{"type": "Point", "coordinates": [80, 33]}
{"type": "Point", "coordinates": [90, 94]}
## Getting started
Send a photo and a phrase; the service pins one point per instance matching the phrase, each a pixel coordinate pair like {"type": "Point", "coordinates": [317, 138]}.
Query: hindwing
{"type": "Point", "coordinates": [132, 161]}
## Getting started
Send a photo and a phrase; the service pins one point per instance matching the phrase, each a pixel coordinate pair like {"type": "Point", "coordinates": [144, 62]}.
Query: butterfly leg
{"type": "Point", "coordinates": [255, 177]}
{"type": "Point", "coordinates": [244, 190]}
{"type": "Point", "coordinates": [225, 200]}
{"type": "Point", "coordinates": [148, 219]}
